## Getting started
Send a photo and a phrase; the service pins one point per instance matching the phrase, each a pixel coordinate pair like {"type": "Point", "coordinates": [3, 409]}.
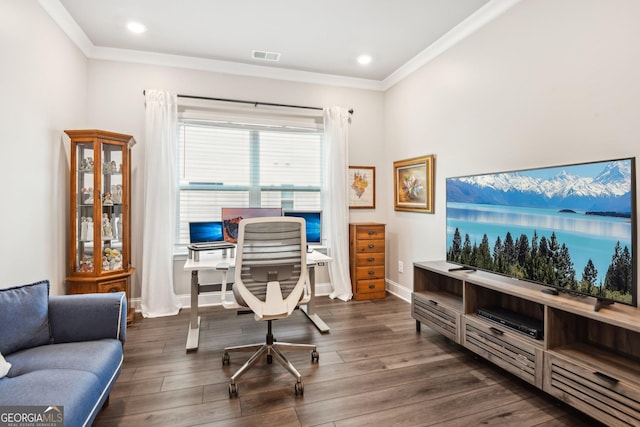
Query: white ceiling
{"type": "Point", "coordinates": [319, 41]}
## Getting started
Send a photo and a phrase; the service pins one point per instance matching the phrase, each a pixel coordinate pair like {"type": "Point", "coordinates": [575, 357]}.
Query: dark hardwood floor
{"type": "Point", "coordinates": [374, 370]}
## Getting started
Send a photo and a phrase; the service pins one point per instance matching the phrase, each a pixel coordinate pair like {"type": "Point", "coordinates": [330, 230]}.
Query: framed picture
{"type": "Point", "coordinates": [362, 187]}
{"type": "Point", "coordinates": [413, 181]}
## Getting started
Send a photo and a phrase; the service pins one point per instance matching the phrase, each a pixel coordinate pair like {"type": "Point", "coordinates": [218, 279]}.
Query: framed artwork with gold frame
{"type": "Point", "coordinates": [413, 187]}
{"type": "Point", "coordinates": [362, 187]}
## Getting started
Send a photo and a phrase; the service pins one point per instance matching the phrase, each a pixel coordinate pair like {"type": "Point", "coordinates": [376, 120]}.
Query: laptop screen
{"type": "Point", "coordinates": [206, 231]}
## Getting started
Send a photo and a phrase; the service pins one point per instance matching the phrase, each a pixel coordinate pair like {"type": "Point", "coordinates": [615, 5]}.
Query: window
{"type": "Point", "coordinates": [234, 164]}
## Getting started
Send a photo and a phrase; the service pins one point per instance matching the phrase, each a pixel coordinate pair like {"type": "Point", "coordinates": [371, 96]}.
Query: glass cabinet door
{"type": "Point", "coordinates": [99, 207]}
{"type": "Point", "coordinates": [111, 215]}
{"type": "Point", "coordinates": [85, 185]}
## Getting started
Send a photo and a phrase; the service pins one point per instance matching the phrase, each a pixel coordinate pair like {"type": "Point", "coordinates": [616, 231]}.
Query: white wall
{"type": "Point", "coordinates": [116, 103]}
{"type": "Point", "coordinates": [43, 86]}
{"type": "Point", "coordinates": [548, 83]}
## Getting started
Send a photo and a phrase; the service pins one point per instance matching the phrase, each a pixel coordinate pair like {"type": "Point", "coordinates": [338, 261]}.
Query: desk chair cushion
{"type": "Point", "coordinates": [259, 277]}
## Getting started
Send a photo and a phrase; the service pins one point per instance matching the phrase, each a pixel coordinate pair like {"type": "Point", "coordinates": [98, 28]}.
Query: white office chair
{"type": "Point", "coordinates": [271, 279]}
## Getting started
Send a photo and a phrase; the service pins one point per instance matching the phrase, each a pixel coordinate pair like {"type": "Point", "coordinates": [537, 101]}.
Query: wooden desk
{"type": "Point", "coordinates": [215, 260]}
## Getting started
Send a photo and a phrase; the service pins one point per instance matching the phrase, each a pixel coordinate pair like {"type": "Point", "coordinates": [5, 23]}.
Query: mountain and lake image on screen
{"type": "Point", "coordinates": [570, 227]}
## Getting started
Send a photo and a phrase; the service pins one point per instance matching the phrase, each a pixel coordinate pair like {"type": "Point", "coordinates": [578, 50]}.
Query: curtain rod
{"type": "Point", "coordinates": [254, 103]}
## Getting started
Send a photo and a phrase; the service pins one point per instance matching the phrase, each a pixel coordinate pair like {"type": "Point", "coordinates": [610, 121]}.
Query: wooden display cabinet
{"type": "Point", "coordinates": [100, 216]}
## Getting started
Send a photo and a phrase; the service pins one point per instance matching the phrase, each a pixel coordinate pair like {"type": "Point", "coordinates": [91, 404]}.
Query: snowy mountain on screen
{"type": "Point", "coordinates": [609, 191]}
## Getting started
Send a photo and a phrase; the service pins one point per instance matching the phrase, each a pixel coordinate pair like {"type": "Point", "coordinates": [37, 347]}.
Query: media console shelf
{"type": "Point", "coordinates": [589, 360]}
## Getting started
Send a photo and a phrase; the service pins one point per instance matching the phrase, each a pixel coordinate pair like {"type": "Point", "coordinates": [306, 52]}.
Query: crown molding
{"type": "Point", "coordinates": [235, 68]}
{"type": "Point", "coordinates": [71, 28]}
{"type": "Point", "coordinates": [480, 18]}
{"type": "Point", "coordinates": [474, 22]}
{"type": "Point", "coordinates": [64, 20]}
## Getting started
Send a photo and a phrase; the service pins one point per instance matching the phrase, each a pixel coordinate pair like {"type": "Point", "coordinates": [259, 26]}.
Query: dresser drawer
{"type": "Point", "coordinates": [373, 258]}
{"type": "Point", "coordinates": [113, 286]}
{"type": "Point", "coordinates": [371, 272]}
{"type": "Point", "coordinates": [364, 232]}
{"type": "Point", "coordinates": [370, 286]}
{"type": "Point", "coordinates": [367, 246]}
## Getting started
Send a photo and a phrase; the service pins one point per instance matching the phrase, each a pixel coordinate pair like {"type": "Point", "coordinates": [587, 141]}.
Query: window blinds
{"type": "Point", "coordinates": [245, 162]}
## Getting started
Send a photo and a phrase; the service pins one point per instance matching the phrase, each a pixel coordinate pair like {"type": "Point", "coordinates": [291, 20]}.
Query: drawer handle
{"type": "Point", "coordinates": [432, 302]}
{"type": "Point", "coordinates": [372, 286]}
{"type": "Point", "coordinates": [371, 246]}
{"type": "Point", "coordinates": [371, 272]}
{"type": "Point", "coordinates": [371, 232]}
{"type": "Point", "coordinates": [496, 331]}
{"type": "Point", "coordinates": [370, 259]}
{"type": "Point", "coordinates": [606, 377]}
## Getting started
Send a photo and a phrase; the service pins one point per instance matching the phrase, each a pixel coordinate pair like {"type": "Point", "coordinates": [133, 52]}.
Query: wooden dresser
{"type": "Point", "coordinates": [367, 260]}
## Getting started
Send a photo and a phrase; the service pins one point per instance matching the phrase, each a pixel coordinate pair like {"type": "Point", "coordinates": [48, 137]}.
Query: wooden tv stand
{"type": "Point", "coordinates": [588, 359]}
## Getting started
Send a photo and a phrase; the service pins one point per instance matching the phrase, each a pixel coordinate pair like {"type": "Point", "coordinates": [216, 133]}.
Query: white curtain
{"type": "Point", "coordinates": [335, 201]}
{"type": "Point", "coordinates": [158, 296]}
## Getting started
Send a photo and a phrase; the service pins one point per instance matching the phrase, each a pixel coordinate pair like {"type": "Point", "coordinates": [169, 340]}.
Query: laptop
{"type": "Point", "coordinates": [207, 235]}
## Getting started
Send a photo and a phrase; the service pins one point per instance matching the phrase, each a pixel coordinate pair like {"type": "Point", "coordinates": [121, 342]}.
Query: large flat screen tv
{"type": "Point", "coordinates": [569, 227]}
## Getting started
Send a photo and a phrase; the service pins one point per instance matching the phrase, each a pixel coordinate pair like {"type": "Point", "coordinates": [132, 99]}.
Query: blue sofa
{"type": "Point", "coordinates": [64, 352]}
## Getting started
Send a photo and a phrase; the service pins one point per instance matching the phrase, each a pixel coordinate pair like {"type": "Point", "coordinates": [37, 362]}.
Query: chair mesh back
{"type": "Point", "coordinates": [271, 251]}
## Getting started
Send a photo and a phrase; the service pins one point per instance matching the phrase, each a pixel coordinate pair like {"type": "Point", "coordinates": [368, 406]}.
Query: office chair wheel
{"type": "Point", "coordinates": [233, 390]}
{"type": "Point", "coordinates": [226, 359]}
{"type": "Point", "coordinates": [269, 359]}
{"type": "Point", "coordinates": [315, 356]}
{"type": "Point", "coordinates": [299, 388]}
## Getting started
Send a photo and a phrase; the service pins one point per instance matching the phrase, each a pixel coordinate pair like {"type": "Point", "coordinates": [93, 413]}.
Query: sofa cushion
{"type": "Point", "coordinates": [4, 366]}
{"type": "Point", "coordinates": [77, 376]}
{"type": "Point", "coordinates": [78, 392]}
{"type": "Point", "coordinates": [88, 317]}
{"type": "Point", "coordinates": [24, 317]}
{"type": "Point", "coordinates": [102, 358]}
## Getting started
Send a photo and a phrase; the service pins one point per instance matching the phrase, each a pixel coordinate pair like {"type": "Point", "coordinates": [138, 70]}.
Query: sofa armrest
{"type": "Point", "coordinates": [88, 317]}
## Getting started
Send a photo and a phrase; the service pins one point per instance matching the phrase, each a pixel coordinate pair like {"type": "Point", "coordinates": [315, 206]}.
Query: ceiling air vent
{"type": "Point", "coordinates": [265, 56]}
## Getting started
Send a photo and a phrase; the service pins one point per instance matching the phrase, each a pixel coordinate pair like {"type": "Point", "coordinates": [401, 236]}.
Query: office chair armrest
{"type": "Point", "coordinates": [306, 293]}
{"type": "Point", "coordinates": [223, 267]}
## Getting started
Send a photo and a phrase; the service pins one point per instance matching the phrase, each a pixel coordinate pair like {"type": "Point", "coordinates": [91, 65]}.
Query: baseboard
{"type": "Point", "coordinates": [213, 298]}
{"type": "Point", "coordinates": [398, 290]}
{"type": "Point", "coordinates": [322, 289]}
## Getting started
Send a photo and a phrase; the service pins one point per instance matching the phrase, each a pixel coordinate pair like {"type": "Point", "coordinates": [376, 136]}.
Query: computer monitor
{"type": "Point", "coordinates": [314, 224]}
{"type": "Point", "coordinates": [231, 217]}
{"type": "Point", "coordinates": [205, 231]}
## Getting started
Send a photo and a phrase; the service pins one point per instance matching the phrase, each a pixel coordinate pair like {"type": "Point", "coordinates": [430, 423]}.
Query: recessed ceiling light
{"type": "Point", "coordinates": [136, 27]}
{"type": "Point", "coordinates": [364, 59]}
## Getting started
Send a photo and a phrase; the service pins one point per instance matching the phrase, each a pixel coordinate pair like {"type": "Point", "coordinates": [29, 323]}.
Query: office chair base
{"type": "Point", "coordinates": [272, 350]}
{"type": "Point", "coordinates": [298, 389]}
